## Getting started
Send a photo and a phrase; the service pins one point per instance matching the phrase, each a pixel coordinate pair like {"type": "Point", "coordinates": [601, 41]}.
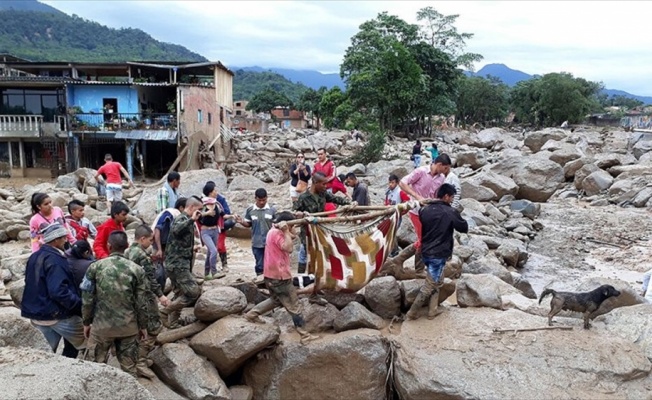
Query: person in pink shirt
{"type": "Point", "coordinates": [44, 215]}
{"type": "Point", "coordinates": [112, 170]}
{"type": "Point", "coordinates": [278, 276]}
{"type": "Point", "coordinates": [423, 183]}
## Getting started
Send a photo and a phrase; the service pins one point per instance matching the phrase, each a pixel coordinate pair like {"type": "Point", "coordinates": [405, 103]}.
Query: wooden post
{"type": "Point", "coordinates": [11, 159]}
{"type": "Point", "coordinates": [21, 155]}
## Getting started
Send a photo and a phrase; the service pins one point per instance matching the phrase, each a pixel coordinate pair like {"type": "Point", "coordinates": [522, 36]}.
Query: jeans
{"type": "Point", "coordinates": [210, 237]}
{"type": "Point", "coordinates": [259, 255]}
{"type": "Point", "coordinates": [435, 267]}
{"type": "Point", "coordinates": [71, 329]}
{"type": "Point", "coordinates": [417, 160]}
{"type": "Point", "coordinates": [303, 254]}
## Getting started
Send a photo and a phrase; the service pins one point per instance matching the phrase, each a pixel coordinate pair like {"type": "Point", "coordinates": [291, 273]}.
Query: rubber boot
{"type": "Point", "coordinates": [142, 367]}
{"type": "Point", "coordinates": [225, 267]}
{"type": "Point", "coordinates": [413, 313]}
{"type": "Point", "coordinates": [173, 319]}
{"type": "Point", "coordinates": [419, 265]}
{"type": "Point", "coordinates": [302, 268]}
{"type": "Point", "coordinates": [433, 306]}
{"type": "Point", "coordinates": [306, 337]}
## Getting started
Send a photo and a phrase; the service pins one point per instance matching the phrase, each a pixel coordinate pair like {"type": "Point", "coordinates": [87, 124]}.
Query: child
{"type": "Point", "coordinates": [80, 227]}
{"type": "Point", "coordinates": [278, 276]}
{"type": "Point", "coordinates": [119, 212]}
{"type": "Point", "coordinates": [434, 152]}
{"type": "Point", "coordinates": [137, 252]}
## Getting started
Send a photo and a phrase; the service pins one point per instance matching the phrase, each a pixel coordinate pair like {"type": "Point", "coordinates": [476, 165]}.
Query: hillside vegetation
{"type": "Point", "coordinates": [246, 84]}
{"type": "Point", "coordinates": [43, 36]}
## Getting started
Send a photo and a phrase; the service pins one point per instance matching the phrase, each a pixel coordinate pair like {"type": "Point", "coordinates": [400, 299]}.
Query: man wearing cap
{"type": "Point", "coordinates": [50, 298]}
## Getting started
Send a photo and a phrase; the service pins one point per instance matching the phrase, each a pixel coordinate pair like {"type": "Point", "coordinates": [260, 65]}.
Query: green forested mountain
{"type": "Point", "coordinates": [247, 83]}
{"type": "Point", "coordinates": [54, 36]}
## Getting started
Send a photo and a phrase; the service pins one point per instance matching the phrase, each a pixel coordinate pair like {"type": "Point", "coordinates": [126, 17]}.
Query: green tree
{"type": "Point", "coordinates": [246, 84]}
{"type": "Point", "coordinates": [310, 101]}
{"type": "Point", "coordinates": [330, 101]}
{"type": "Point", "coordinates": [618, 101]}
{"type": "Point", "coordinates": [555, 98]}
{"type": "Point", "coordinates": [482, 100]}
{"type": "Point", "coordinates": [440, 32]}
{"type": "Point", "coordinates": [267, 100]}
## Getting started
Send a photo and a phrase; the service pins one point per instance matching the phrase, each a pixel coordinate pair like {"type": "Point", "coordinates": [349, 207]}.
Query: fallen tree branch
{"type": "Point", "coordinates": [173, 335]}
{"type": "Point", "coordinates": [543, 328]}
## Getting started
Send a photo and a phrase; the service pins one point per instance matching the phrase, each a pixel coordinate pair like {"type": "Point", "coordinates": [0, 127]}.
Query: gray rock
{"type": "Point", "coordinates": [300, 145]}
{"type": "Point", "coordinates": [523, 285]}
{"type": "Point", "coordinates": [487, 138]}
{"type": "Point", "coordinates": [406, 234]}
{"type": "Point", "coordinates": [489, 264]}
{"type": "Point", "coordinates": [582, 173]}
{"type": "Point", "coordinates": [22, 373]}
{"type": "Point", "coordinates": [475, 191]}
{"type": "Point", "coordinates": [526, 207]}
{"type": "Point", "coordinates": [241, 392]}
{"type": "Point", "coordinates": [356, 358]}
{"type": "Point", "coordinates": [356, 316]}
{"type": "Point", "coordinates": [597, 182]}
{"type": "Point", "coordinates": [66, 182]}
{"type": "Point", "coordinates": [642, 197]}
{"type": "Point", "coordinates": [16, 264]}
{"type": "Point", "coordinates": [318, 318]}
{"type": "Point", "coordinates": [536, 140]}
{"type": "Point", "coordinates": [628, 295]}
{"type": "Point", "coordinates": [384, 296]}
{"type": "Point", "coordinates": [538, 179]}
{"type": "Point", "coordinates": [16, 289]}
{"type": "Point", "coordinates": [13, 230]}
{"type": "Point", "coordinates": [341, 300]}
{"type": "Point", "coordinates": [16, 331]}
{"type": "Point", "coordinates": [474, 158]}
{"type": "Point", "coordinates": [501, 185]}
{"type": "Point", "coordinates": [219, 302]}
{"type": "Point", "coordinates": [246, 182]}
{"type": "Point", "coordinates": [187, 373]}
{"type": "Point", "coordinates": [410, 290]}
{"type": "Point", "coordinates": [642, 147]}
{"type": "Point", "coordinates": [571, 167]}
{"type": "Point", "coordinates": [231, 341]}
{"type": "Point", "coordinates": [482, 290]}
{"type": "Point", "coordinates": [633, 324]}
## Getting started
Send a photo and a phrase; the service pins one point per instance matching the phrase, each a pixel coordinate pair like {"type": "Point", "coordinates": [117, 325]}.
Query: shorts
{"type": "Point", "coordinates": [113, 192]}
{"type": "Point", "coordinates": [293, 192]}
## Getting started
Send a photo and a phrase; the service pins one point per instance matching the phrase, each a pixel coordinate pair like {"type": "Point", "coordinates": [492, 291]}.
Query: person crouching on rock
{"type": "Point", "coordinates": [278, 276]}
{"type": "Point", "coordinates": [438, 220]}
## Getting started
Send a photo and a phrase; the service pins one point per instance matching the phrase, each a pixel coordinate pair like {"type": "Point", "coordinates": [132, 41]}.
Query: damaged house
{"type": "Point", "coordinates": [56, 117]}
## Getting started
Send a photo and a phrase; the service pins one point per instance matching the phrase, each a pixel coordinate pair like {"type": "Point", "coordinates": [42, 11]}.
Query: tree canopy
{"type": "Point", "coordinates": [267, 100]}
{"type": "Point", "coordinates": [246, 84]}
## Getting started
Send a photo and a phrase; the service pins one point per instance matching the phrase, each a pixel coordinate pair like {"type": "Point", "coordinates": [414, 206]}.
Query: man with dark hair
{"type": "Point", "coordinates": [119, 212]}
{"type": "Point", "coordinates": [421, 184]}
{"type": "Point", "coordinates": [167, 195]}
{"type": "Point", "coordinates": [394, 195]}
{"type": "Point", "coordinates": [314, 201]}
{"type": "Point", "coordinates": [360, 192]}
{"type": "Point", "coordinates": [326, 167]}
{"type": "Point", "coordinates": [161, 227]}
{"type": "Point", "coordinates": [137, 252]}
{"type": "Point", "coordinates": [179, 258]}
{"type": "Point", "coordinates": [113, 180]}
{"type": "Point", "coordinates": [439, 220]}
{"type": "Point", "coordinates": [80, 227]}
{"type": "Point", "coordinates": [51, 299]}
{"type": "Point", "coordinates": [278, 276]}
{"type": "Point", "coordinates": [114, 309]}
{"type": "Point", "coordinates": [258, 217]}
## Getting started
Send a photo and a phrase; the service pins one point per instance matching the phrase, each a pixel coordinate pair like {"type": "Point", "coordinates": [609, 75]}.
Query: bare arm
{"type": "Point", "coordinates": [125, 173]}
{"type": "Point", "coordinates": [408, 189]}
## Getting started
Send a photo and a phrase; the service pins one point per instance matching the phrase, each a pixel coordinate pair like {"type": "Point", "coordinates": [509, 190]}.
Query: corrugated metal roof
{"type": "Point", "coordinates": [53, 79]}
{"type": "Point", "coordinates": [121, 83]}
{"type": "Point", "coordinates": [147, 135]}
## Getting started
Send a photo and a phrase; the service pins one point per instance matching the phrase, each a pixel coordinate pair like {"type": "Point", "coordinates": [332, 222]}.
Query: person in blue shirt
{"type": "Point", "coordinates": [434, 152]}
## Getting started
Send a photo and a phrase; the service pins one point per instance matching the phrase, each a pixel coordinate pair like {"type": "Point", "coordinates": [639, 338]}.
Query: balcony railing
{"type": "Point", "coordinates": [122, 121]}
{"type": "Point", "coordinates": [21, 123]}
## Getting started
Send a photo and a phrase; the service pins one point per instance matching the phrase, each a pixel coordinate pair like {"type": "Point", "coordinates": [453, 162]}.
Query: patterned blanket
{"type": "Point", "coordinates": [346, 256]}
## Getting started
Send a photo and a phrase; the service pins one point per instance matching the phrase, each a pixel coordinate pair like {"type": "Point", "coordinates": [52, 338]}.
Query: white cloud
{"type": "Point", "coordinates": [602, 41]}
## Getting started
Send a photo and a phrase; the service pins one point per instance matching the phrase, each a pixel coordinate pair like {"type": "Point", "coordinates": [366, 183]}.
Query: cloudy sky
{"type": "Point", "coordinates": [606, 41]}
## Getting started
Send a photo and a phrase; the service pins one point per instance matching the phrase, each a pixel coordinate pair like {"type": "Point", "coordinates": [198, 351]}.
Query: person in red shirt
{"type": "Point", "coordinates": [278, 276]}
{"type": "Point", "coordinates": [119, 211]}
{"type": "Point", "coordinates": [326, 167]}
{"type": "Point", "coordinates": [113, 182]}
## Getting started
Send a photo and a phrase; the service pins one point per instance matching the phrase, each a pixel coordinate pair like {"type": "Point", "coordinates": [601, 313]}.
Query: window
{"type": "Point", "coordinates": [237, 104]}
{"type": "Point", "coordinates": [286, 112]}
{"type": "Point", "coordinates": [210, 118]}
{"type": "Point", "coordinates": [199, 116]}
{"type": "Point", "coordinates": [238, 112]}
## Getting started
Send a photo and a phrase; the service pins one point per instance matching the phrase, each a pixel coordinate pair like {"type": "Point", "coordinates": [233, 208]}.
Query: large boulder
{"type": "Point", "coordinates": [471, 362]}
{"type": "Point", "coordinates": [538, 179]}
{"type": "Point", "coordinates": [582, 173]}
{"type": "Point", "coordinates": [597, 182]}
{"type": "Point", "coordinates": [246, 182]}
{"type": "Point", "coordinates": [384, 296]}
{"type": "Point", "coordinates": [642, 147]}
{"type": "Point", "coordinates": [513, 252]}
{"type": "Point", "coordinates": [231, 341]}
{"type": "Point", "coordinates": [632, 323]}
{"type": "Point", "coordinates": [356, 316]}
{"type": "Point", "coordinates": [351, 364]}
{"type": "Point", "coordinates": [300, 145]}
{"type": "Point", "coordinates": [410, 290]}
{"type": "Point", "coordinates": [476, 191]}
{"type": "Point", "coordinates": [487, 138]}
{"type": "Point", "coordinates": [187, 373]}
{"type": "Point", "coordinates": [536, 140]}
{"type": "Point", "coordinates": [628, 295]}
{"type": "Point", "coordinates": [219, 302]}
{"type": "Point", "coordinates": [473, 158]}
{"type": "Point", "coordinates": [16, 264]}
{"type": "Point", "coordinates": [483, 290]}
{"type": "Point", "coordinates": [488, 264]}
{"type": "Point", "coordinates": [34, 374]}
{"type": "Point", "coordinates": [16, 331]}
{"type": "Point", "coordinates": [501, 185]}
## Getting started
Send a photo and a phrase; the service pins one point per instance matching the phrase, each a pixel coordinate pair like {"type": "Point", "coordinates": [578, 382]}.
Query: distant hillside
{"type": "Point", "coordinates": [247, 83]}
{"type": "Point", "coordinates": [27, 5]}
{"type": "Point", "coordinates": [45, 35]}
{"type": "Point", "coordinates": [511, 77]}
{"type": "Point", "coordinates": [311, 79]}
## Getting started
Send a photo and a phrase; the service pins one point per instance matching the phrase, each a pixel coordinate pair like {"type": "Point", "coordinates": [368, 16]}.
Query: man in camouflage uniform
{"type": "Point", "coordinates": [179, 257]}
{"type": "Point", "coordinates": [113, 306]}
{"type": "Point", "coordinates": [137, 253]}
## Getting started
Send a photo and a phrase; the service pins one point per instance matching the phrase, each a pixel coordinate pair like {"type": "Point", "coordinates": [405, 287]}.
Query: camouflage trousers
{"type": "Point", "coordinates": [186, 292]}
{"type": "Point", "coordinates": [126, 350]}
{"type": "Point", "coordinates": [282, 293]}
{"type": "Point", "coordinates": [154, 327]}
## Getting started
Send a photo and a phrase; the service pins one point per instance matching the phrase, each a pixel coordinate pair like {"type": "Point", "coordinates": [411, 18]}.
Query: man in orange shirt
{"type": "Point", "coordinates": [113, 182]}
{"type": "Point", "coordinates": [278, 276]}
{"type": "Point", "coordinates": [326, 167]}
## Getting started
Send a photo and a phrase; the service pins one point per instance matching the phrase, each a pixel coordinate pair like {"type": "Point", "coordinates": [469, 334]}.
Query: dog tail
{"type": "Point", "coordinates": [545, 293]}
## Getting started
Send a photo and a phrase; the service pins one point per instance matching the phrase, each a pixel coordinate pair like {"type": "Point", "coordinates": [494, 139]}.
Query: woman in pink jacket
{"type": "Point", "coordinates": [44, 215]}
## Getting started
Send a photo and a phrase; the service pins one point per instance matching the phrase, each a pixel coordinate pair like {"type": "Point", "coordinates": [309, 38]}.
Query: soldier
{"type": "Point", "coordinates": [113, 306]}
{"type": "Point", "coordinates": [179, 257]}
{"type": "Point", "coordinates": [137, 253]}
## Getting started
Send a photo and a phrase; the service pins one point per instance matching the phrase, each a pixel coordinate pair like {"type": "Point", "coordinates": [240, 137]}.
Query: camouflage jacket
{"type": "Point", "coordinates": [179, 250]}
{"type": "Point", "coordinates": [114, 297]}
{"type": "Point", "coordinates": [139, 256]}
{"type": "Point", "coordinates": [315, 203]}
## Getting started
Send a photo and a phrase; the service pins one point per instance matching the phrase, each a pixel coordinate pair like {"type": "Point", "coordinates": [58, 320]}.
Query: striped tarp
{"type": "Point", "coordinates": [346, 256]}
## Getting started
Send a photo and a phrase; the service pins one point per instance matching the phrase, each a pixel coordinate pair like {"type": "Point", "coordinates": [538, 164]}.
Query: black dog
{"type": "Point", "coordinates": [585, 302]}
